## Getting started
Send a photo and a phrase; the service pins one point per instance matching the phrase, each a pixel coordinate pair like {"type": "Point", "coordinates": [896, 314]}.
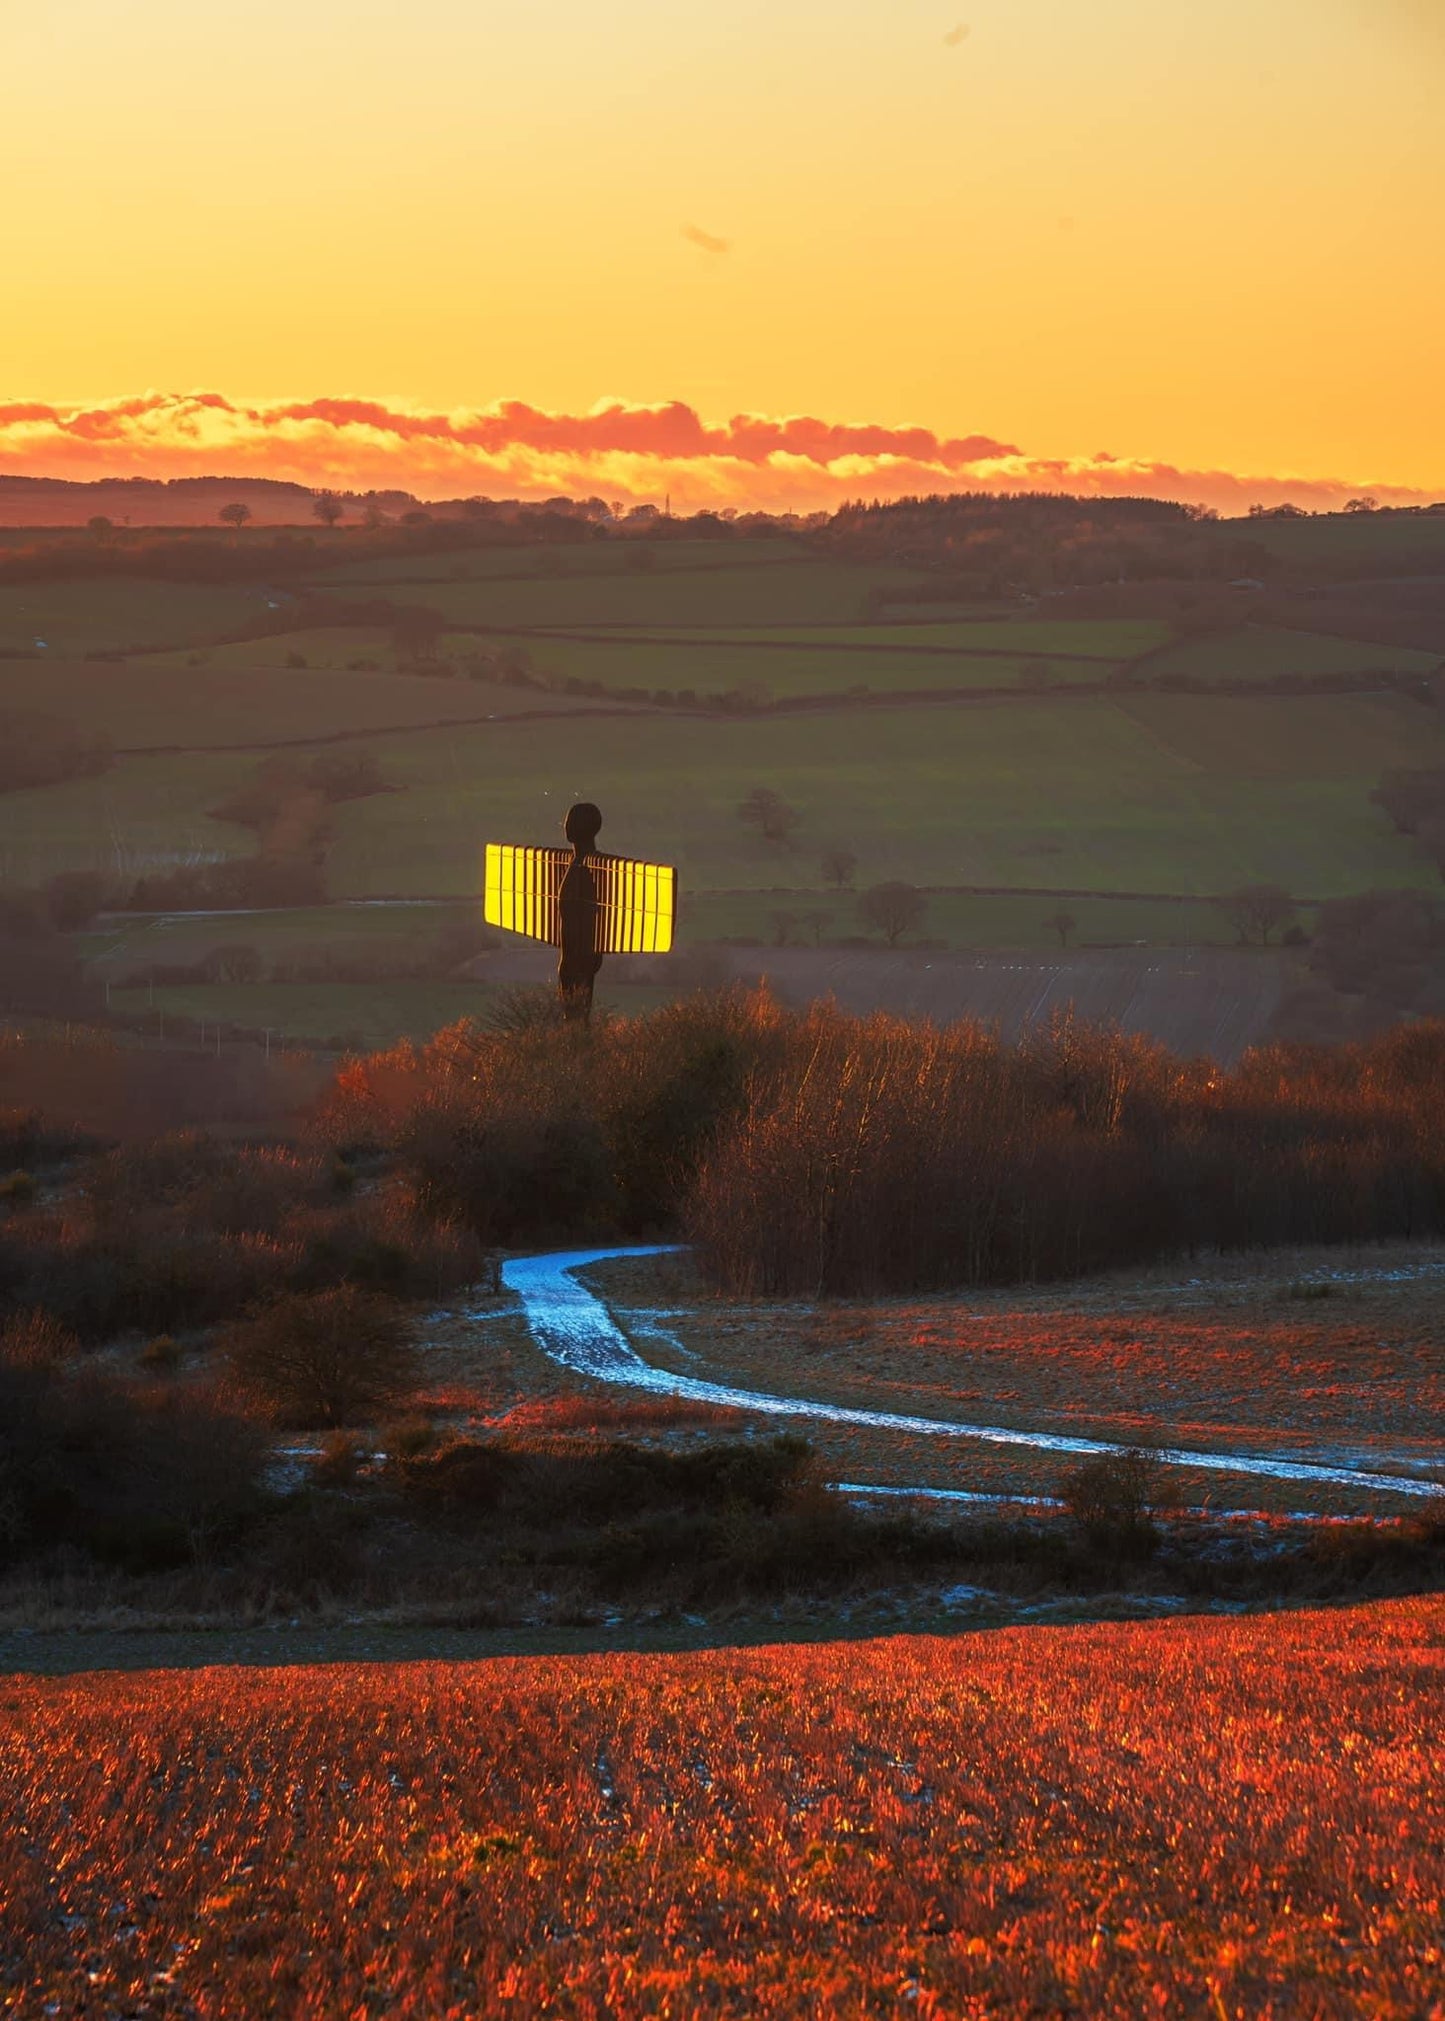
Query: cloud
{"type": "Point", "coordinates": [706, 240]}
{"type": "Point", "coordinates": [618, 450]}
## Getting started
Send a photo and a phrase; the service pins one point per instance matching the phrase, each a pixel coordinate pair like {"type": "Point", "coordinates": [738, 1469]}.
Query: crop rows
{"type": "Point", "coordinates": [1212, 1817]}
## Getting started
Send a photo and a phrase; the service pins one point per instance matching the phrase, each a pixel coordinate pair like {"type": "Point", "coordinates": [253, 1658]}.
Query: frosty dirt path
{"type": "Point", "coordinates": [575, 1329]}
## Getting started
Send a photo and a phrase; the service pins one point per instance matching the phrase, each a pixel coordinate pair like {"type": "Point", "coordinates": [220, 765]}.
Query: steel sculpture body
{"type": "Point", "coordinates": [586, 904]}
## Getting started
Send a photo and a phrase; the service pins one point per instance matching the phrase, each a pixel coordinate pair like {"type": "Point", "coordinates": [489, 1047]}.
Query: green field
{"type": "Point", "coordinates": [550, 560]}
{"type": "Point", "coordinates": [764, 675]}
{"type": "Point", "coordinates": [121, 944]}
{"type": "Point", "coordinates": [1164, 793]}
{"type": "Point", "coordinates": [327, 646]}
{"type": "Point", "coordinates": [1339, 539]}
{"type": "Point", "coordinates": [160, 703]}
{"type": "Point", "coordinates": [801, 593]}
{"type": "Point", "coordinates": [795, 662]}
{"type": "Point", "coordinates": [115, 612]}
{"type": "Point", "coordinates": [1179, 793]}
{"type": "Point", "coordinates": [1267, 653]}
{"type": "Point", "coordinates": [1105, 639]}
{"type": "Point", "coordinates": [354, 1013]}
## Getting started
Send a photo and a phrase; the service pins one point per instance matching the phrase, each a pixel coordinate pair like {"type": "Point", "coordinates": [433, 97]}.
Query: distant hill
{"type": "Point", "coordinates": [177, 501]}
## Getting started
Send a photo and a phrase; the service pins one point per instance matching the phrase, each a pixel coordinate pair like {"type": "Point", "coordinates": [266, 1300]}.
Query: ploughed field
{"type": "Point", "coordinates": [1205, 1817]}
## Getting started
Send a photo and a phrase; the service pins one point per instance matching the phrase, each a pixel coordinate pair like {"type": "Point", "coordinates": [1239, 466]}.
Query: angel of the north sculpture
{"type": "Point", "coordinates": [583, 903]}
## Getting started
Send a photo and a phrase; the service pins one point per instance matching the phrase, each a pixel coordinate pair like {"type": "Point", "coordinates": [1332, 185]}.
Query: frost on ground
{"type": "Point", "coordinates": [572, 1325]}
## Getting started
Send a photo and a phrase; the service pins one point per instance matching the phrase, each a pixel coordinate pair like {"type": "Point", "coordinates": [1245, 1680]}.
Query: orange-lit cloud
{"type": "Point", "coordinates": [709, 242]}
{"type": "Point", "coordinates": [617, 451]}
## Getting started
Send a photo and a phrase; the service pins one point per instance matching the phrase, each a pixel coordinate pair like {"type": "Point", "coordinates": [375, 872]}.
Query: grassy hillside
{"type": "Point", "coordinates": [1182, 794]}
{"type": "Point", "coordinates": [550, 561]}
{"type": "Point", "coordinates": [797, 593]}
{"type": "Point", "coordinates": [1144, 793]}
{"type": "Point", "coordinates": [1266, 653]}
{"type": "Point", "coordinates": [114, 612]}
{"type": "Point", "coordinates": [1346, 540]}
{"type": "Point", "coordinates": [234, 699]}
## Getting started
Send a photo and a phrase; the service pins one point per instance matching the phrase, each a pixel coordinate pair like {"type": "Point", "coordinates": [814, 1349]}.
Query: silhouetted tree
{"type": "Point", "coordinates": [1063, 924]}
{"type": "Point", "coordinates": [1256, 910]}
{"type": "Point", "coordinates": [326, 1357]}
{"type": "Point", "coordinates": [237, 515]}
{"type": "Point", "coordinates": [769, 812]}
{"type": "Point", "coordinates": [101, 527]}
{"type": "Point", "coordinates": [894, 909]}
{"type": "Point", "coordinates": [840, 867]}
{"type": "Point", "coordinates": [327, 507]}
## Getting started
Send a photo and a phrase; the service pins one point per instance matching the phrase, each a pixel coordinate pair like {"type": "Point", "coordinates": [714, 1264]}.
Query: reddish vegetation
{"type": "Point", "coordinates": [1199, 1818]}
{"type": "Point", "coordinates": [1248, 1375]}
{"type": "Point", "coordinates": [615, 1414]}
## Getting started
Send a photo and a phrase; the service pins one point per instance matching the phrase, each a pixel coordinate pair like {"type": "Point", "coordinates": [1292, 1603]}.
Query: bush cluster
{"type": "Point", "coordinates": [189, 1231]}
{"type": "Point", "coordinates": [817, 1153]}
{"type": "Point", "coordinates": [140, 1477]}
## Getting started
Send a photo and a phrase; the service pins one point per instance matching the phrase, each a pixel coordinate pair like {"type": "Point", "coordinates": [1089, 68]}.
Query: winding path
{"type": "Point", "coordinates": [575, 1329]}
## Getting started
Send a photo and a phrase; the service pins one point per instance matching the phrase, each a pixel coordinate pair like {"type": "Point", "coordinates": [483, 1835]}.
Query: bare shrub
{"type": "Point", "coordinates": [142, 1477]}
{"type": "Point", "coordinates": [335, 1357]}
{"type": "Point", "coordinates": [1113, 1498]}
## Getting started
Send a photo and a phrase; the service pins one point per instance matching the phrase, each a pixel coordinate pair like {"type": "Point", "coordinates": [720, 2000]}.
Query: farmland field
{"type": "Point", "coordinates": [802, 593]}
{"type": "Point", "coordinates": [1106, 639]}
{"type": "Point", "coordinates": [1345, 540]}
{"type": "Point", "coordinates": [115, 612]}
{"type": "Point", "coordinates": [237, 699]}
{"type": "Point", "coordinates": [1266, 653]}
{"type": "Point", "coordinates": [764, 674]}
{"type": "Point", "coordinates": [1332, 1358]}
{"type": "Point", "coordinates": [362, 1014]}
{"type": "Point", "coordinates": [551, 561]}
{"type": "Point", "coordinates": [1201, 1817]}
{"type": "Point", "coordinates": [1183, 794]}
{"type": "Point", "coordinates": [962, 919]}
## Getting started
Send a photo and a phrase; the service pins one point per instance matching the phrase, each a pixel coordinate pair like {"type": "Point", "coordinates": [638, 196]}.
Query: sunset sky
{"type": "Point", "coordinates": [1205, 240]}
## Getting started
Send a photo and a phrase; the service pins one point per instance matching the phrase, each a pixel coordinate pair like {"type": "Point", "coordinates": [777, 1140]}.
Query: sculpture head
{"type": "Point", "coordinates": [582, 824]}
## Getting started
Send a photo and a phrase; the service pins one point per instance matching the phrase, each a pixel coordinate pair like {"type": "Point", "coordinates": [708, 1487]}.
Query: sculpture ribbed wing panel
{"type": "Point", "coordinates": [636, 905]}
{"type": "Point", "coordinates": [636, 902]}
{"type": "Point", "coordinates": [521, 888]}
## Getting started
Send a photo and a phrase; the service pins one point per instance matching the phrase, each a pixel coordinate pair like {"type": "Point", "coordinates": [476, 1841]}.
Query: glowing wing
{"type": "Point", "coordinates": [636, 902]}
{"type": "Point", "coordinates": [521, 887]}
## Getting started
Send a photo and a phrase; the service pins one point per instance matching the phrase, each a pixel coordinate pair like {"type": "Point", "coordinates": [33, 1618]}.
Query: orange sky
{"type": "Point", "coordinates": [1206, 241]}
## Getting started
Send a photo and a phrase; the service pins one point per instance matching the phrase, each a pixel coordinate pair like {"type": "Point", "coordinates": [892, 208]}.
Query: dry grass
{"type": "Point", "coordinates": [1200, 1818]}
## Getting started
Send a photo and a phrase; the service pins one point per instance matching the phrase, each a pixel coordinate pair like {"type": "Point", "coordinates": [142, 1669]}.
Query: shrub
{"type": "Point", "coordinates": [408, 1437]}
{"type": "Point", "coordinates": [144, 1478]}
{"type": "Point", "coordinates": [161, 1355]}
{"type": "Point", "coordinates": [334, 1357]}
{"type": "Point", "coordinates": [1112, 1497]}
{"type": "Point", "coordinates": [340, 1460]}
